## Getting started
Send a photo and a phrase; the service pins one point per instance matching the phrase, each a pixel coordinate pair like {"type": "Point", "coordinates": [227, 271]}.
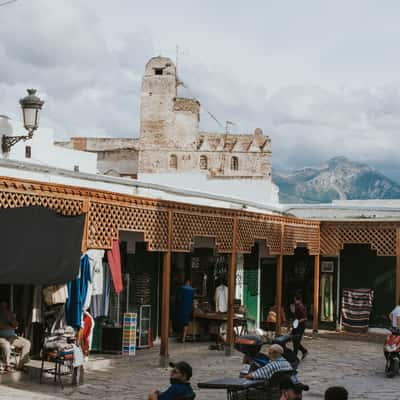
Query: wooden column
{"type": "Point", "coordinates": [397, 265]}
{"type": "Point", "coordinates": [279, 278]}
{"type": "Point", "coordinates": [231, 291]}
{"type": "Point", "coordinates": [85, 209]}
{"type": "Point", "coordinates": [316, 293]}
{"type": "Point", "coordinates": [166, 284]}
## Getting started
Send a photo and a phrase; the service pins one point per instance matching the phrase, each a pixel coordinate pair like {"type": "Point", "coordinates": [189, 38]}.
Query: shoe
{"type": "Point", "coordinates": [304, 355]}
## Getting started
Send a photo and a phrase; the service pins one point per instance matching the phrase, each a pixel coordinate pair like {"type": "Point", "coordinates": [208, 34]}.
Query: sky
{"type": "Point", "coordinates": [320, 78]}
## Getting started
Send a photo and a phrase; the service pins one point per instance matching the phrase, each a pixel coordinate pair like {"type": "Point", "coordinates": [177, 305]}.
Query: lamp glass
{"type": "Point", "coordinates": [31, 118]}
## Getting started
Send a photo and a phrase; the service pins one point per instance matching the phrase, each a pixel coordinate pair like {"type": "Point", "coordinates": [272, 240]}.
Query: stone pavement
{"type": "Point", "coordinates": [359, 366]}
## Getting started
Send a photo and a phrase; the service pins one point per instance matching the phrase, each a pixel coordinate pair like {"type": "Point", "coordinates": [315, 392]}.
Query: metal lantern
{"type": "Point", "coordinates": [31, 106]}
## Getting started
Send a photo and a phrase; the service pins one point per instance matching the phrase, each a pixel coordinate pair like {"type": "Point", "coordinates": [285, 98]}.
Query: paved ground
{"type": "Point", "coordinates": [356, 365]}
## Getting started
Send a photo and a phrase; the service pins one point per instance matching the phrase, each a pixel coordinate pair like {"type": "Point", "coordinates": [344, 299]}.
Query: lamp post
{"type": "Point", "coordinates": [31, 106]}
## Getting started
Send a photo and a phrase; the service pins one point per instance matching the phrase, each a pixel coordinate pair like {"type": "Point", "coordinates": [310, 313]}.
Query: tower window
{"type": "Point", "coordinates": [158, 71]}
{"type": "Point", "coordinates": [28, 152]}
{"type": "Point", "coordinates": [203, 162]}
{"type": "Point", "coordinates": [234, 163]}
{"type": "Point", "coordinates": [173, 161]}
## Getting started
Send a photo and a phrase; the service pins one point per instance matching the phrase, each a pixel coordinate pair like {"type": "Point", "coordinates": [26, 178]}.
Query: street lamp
{"type": "Point", "coordinates": [31, 106]}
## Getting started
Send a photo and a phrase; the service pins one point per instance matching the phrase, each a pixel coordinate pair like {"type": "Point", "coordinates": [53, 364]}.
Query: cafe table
{"type": "Point", "coordinates": [232, 385]}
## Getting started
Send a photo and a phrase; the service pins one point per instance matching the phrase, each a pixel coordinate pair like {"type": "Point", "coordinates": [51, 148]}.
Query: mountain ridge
{"type": "Point", "coordinates": [336, 179]}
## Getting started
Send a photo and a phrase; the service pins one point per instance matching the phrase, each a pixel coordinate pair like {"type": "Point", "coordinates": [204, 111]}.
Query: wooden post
{"type": "Point", "coordinates": [279, 278]}
{"type": "Point", "coordinates": [397, 265]}
{"type": "Point", "coordinates": [316, 293]}
{"type": "Point", "coordinates": [85, 209]}
{"type": "Point", "coordinates": [231, 291]}
{"type": "Point", "coordinates": [166, 283]}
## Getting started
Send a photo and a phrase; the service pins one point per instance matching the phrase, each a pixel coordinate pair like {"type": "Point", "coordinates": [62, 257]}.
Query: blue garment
{"type": "Point", "coordinates": [184, 305]}
{"type": "Point", "coordinates": [77, 290]}
{"type": "Point", "coordinates": [6, 332]}
{"type": "Point", "coordinates": [176, 391]}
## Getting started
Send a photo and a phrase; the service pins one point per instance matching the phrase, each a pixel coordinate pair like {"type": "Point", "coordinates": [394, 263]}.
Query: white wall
{"type": "Point", "coordinates": [257, 190]}
{"type": "Point", "coordinates": [44, 152]}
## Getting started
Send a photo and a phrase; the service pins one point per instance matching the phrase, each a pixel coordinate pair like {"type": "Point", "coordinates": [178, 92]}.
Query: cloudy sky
{"type": "Point", "coordinates": [321, 78]}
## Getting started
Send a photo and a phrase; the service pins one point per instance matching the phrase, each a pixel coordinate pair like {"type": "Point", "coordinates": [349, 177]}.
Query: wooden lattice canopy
{"type": "Point", "coordinates": [108, 213]}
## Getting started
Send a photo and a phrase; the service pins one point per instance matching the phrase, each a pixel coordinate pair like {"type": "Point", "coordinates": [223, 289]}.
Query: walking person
{"type": "Point", "coordinates": [184, 308]}
{"type": "Point", "coordinates": [300, 313]}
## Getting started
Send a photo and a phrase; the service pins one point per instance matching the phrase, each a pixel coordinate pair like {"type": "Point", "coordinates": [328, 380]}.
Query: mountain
{"type": "Point", "coordinates": [338, 178]}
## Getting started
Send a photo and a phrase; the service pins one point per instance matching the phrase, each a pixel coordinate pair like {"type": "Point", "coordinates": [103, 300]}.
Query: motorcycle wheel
{"type": "Point", "coordinates": [393, 368]}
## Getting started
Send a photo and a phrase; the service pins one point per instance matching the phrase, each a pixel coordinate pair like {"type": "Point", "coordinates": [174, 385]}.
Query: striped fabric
{"type": "Point", "coordinates": [278, 365]}
{"type": "Point", "coordinates": [356, 309]}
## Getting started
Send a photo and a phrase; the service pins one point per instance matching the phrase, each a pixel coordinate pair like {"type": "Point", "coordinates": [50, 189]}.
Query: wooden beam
{"type": "Point", "coordinates": [316, 293]}
{"type": "Point", "coordinates": [231, 290]}
{"type": "Point", "coordinates": [397, 265]}
{"type": "Point", "coordinates": [166, 286]}
{"type": "Point", "coordinates": [85, 209]}
{"type": "Point", "coordinates": [279, 278]}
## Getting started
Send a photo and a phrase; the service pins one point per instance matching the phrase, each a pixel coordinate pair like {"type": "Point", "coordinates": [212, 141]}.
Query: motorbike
{"type": "Point", "coordinates": [391, 350]}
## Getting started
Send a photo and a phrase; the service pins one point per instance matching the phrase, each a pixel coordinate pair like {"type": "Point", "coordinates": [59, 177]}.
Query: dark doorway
{"type": "Point", "coordinates": [361, 268]}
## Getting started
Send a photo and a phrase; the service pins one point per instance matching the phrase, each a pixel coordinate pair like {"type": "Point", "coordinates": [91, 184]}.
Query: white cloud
{"type": "Point", "coordinates": [317, 82]}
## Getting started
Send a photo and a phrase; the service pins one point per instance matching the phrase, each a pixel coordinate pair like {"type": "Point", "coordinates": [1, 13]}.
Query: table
{"type": "Point", "coordinates": [231, 385]}
{"type": "Point", "coordinates": [239, 321]}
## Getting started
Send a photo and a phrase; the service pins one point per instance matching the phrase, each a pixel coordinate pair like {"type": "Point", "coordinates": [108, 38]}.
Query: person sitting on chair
{"type": "Point", "coordinates": [180, 388]}
{"type": "Point", "coordinates": [8, 338]}
{"type": "Point", "coordinates": [277, 364]}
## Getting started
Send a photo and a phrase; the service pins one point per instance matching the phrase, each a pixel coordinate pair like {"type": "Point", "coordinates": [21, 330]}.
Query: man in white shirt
{"type": "Point", "coordinates": [395, 316]}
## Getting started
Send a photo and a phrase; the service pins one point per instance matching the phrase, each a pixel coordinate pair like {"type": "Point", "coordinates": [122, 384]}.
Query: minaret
{"type": "Point", "coordinates": [158, 95]}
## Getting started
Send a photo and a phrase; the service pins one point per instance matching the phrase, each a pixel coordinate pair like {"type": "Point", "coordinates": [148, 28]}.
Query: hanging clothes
{"type": "Point", "coordinates": [88, 326]}
{"type": "Point", "coordinates": [37, 305]}
{"type": "Point", "coordinates": [114, 261]}
{"type": "Point", "coordinates": [101, 302]}
{"type": "Point", "coordinates": [96, 270]}
{"type": "Point", "coordinates": [77, 293]}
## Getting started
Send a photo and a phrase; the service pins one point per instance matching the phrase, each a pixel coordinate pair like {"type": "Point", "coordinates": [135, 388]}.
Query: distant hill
{"type": "Point", "coordinates": [338, 178]}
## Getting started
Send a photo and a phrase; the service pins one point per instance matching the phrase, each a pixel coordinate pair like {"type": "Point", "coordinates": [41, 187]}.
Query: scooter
{"type": "Point", "coordinates": [391, 349]}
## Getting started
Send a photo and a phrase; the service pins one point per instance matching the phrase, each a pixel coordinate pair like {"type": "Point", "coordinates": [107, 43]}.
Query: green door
{"type": "Point", "coordinates": [250, 286]}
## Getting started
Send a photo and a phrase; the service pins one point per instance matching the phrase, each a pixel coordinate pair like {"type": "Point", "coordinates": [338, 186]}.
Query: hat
{"type": "Point", "coordinates": [276, 348]}
{"type": "Point", "coordinates": [183, 367]}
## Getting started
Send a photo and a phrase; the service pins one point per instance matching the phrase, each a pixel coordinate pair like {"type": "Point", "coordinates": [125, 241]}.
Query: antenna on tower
{"type": "Point", "coordinates": [227, 125]}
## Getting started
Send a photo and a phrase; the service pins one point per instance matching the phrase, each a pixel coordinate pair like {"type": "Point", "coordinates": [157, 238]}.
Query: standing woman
{"type": "Point", "coordinates": [300, 313]}
{"type": "Point", "coordinates": [184, 307]}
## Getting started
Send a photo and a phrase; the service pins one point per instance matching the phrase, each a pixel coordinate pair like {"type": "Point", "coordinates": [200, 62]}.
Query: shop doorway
{"type": "Point", "coordinates": [251, 287]}
{"type": "Point", "coordinates": [141, 271]}
{"type": "Point", "coordinates": [361, 268]}
{"type": "Point", "coordinates": [268, 267]}
{"type": "Point", "coordinates": [298, 278]}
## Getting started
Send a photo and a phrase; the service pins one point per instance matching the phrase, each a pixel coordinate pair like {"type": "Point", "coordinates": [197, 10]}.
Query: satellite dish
{"type": "Point", "coordinates": [5, 126]}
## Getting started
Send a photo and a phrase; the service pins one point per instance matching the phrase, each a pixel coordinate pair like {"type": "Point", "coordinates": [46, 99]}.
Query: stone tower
{"type": "Point", "coordinates": [157, 102]}
{"type": "Point", "coordinates": [169, 125]}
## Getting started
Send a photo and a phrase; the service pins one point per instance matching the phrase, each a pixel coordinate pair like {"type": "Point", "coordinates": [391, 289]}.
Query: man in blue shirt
{"type": "Point", "coordinates": [8, 338]}
{"type": "Point", "coordinates": [180, 388]}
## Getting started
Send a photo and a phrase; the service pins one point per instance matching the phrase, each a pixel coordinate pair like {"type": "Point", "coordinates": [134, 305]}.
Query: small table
{"type": "Point", "coordinates": [231, 385]}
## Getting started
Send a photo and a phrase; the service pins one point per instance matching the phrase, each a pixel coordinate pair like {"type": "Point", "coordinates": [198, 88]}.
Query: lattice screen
{"type": "Point", "coordinates": [380, 236]}
{"type": "Point", "coordinates": [187, 226]}
{"type": "Point", "coordinates": [106, 220]}
{"type": "Point", "coordinates": [65, 206]}
{"type": "Point", "coordinates": [249, 230]}
{"type": "Point", "coordinates": [295, 234]}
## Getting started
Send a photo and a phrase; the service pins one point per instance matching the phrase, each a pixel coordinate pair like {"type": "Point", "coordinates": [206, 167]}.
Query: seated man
{"type": "Point", "coordinates": [277, 364]}
{"type": "Point", "coordinates": [8, 338]}
{"type": "Point", "coordinates": [180, 386]}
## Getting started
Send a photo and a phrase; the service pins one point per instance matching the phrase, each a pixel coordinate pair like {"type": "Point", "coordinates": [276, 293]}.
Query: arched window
{"type": "Point", "coordinates": [173, 161]}
{"type": "Point", "coordinates": [234, 163]}
{"type": "Point", "coordinates": [203, 162]}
